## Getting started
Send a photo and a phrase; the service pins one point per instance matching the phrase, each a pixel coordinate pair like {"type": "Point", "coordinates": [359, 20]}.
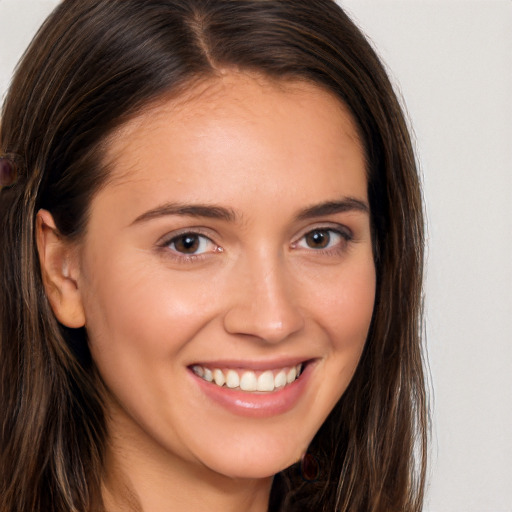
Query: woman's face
{"type": "Point", "coordinates": [233, 243]}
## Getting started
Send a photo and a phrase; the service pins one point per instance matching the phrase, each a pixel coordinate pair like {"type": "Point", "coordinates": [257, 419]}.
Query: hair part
{"type": "Point", "coordinates": [95, 64]}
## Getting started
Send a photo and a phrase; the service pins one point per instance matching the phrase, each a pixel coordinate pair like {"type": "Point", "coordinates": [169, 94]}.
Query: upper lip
{"type": "Point", "coordinates": [252, 364]}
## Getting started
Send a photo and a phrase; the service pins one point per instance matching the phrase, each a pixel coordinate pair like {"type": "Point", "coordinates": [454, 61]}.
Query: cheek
{"type": "Point", "coordinates": [137, 314]}
{"type": "Point", "coordinates": [346, 314]}
{"type": "Point", "coordinates": [345, 306]}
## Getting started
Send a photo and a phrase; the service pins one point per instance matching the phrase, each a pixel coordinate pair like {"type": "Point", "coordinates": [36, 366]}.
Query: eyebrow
{"type": "Point", "coordinates": [347, 204]}
{"type": "Point", "coordinates": [189, 210]}
{"type": "Point", "coordinates": [229, 215]}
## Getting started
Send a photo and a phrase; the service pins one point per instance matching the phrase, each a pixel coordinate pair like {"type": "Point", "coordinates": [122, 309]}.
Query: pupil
{"type": "Point", "coordinates": [318, 239]}
{"type": "Point", "coordinates": [187, 243]}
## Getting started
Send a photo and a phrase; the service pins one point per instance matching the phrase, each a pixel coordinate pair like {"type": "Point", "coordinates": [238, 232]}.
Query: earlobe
{"type": "Point", "coordinates": [59, 269]}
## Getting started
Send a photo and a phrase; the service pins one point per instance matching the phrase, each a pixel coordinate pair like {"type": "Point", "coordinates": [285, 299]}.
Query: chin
{"type": "Point", "coordinates": [251, 460]}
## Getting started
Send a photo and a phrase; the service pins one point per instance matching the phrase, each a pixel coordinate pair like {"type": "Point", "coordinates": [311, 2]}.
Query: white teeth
{"type": "Point", "coordinates": [280, 379]}
{"type": "Point", "coordinates": [232, 379]}
{"type": "Point", "coordinates": [266, 381]}
{"type": "Point", "coordinates": [248, 382]}
{"type": "Point", "coordinates": [198, 370]}
{"type": "Point", "coordinates": [218, 377]}
{"type": "Point", "coordinates": [291, 375]}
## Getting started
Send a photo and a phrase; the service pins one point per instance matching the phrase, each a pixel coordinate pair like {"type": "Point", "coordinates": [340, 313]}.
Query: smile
{"type": "Point", "coordinates": [249, 380]}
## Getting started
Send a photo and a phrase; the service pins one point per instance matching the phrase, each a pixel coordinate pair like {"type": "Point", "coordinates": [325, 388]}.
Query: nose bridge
{"type": "Point", "coordinates": [265, 305]}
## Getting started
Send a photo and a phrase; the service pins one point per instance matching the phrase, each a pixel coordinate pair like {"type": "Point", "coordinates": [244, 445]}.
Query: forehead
{"type": "Point", "coordinates": [241, 141]}
{"type": "Point", "coordinates": [232, 100]}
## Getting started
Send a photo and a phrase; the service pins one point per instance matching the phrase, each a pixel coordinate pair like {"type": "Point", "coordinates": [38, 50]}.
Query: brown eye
{"type": "Point", "coordinates": [324, 239]}
{"type": "Point", "coordinates": [187, 244]}
{"type": "Point", "coordinates": [191, 244]}
{"type": "Point", "coordinates": [318, 239]}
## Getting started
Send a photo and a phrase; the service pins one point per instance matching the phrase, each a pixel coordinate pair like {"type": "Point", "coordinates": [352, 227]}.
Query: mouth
{"type": "Point", "coordinates": [251, 381]}
{"type": "Point", "coordinates": [254, 389]}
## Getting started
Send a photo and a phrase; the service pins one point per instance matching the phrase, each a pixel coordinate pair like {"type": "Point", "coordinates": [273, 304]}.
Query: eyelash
{"type": "Point", "coordinates": [169, 243]}
{"type": "Point", "coordinates": [343, 237]}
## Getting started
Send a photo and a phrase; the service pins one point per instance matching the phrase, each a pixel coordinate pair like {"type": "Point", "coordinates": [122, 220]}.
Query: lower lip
{"type": "Point", "coordinates": [256, 404]}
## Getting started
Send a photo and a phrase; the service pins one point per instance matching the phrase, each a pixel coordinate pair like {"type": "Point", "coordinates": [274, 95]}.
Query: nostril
{"type": "Point", "coordinates": [263, 325]}
{"type": "Point", "coordinates": [264, 305]}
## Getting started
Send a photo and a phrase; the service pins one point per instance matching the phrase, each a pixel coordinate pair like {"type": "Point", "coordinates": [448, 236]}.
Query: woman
{"type": "Point", "coordinates": [211, 265]}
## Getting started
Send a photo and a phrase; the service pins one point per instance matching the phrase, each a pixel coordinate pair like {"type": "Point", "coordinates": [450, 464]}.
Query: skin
{"type": "Point", "coordinates": [259, 289]}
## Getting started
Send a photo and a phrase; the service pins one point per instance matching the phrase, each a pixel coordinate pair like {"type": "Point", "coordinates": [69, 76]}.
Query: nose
{"type": "Point", "coordinates": [264, 304]}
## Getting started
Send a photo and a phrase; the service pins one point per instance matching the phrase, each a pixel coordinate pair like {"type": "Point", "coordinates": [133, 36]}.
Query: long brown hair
{"type": "Point", "coordinates": [93, 65]}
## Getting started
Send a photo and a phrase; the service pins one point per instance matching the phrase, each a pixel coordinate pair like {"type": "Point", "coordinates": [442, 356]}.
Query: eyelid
{"type": "Point", "coordinates": [340, 230]}
{"type": "Point", "coordinates": [165, 242]}
{"type": "Point", "coordinates": [193, 230]}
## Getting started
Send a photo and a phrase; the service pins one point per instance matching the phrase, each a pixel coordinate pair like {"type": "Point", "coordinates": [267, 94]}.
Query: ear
{"type": "Point", "coordinates": [60, 269]}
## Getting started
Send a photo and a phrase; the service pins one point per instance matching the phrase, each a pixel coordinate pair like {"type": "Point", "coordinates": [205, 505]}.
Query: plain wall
{"type": "Point", "coordinates": [451, 62]}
